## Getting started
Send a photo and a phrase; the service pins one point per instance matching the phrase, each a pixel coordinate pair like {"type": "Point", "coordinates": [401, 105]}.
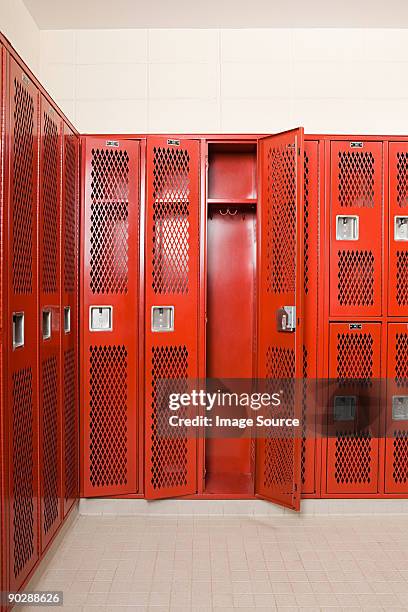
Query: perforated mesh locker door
{"type": "Point", "coordinates": [50, 321]}
{"type": "Point", "coordinates": [396, 446]}
{"type": "Point", "coordinates": [280, 284]}
{"type": "Point", "coordinates": [356, 228]}
{"type": "Point", "coordinates": [69, 318]}
{"type": "Point", "coordinates": [353, 408]}
{"type": "Point", "coordinates": [23, 319]}
{"type": "Point", "coordinates": [172, 279]}
{"type": "Point", "coordinates": [398, 230]}
{"type": "Point", "coordinates": [110, 313]}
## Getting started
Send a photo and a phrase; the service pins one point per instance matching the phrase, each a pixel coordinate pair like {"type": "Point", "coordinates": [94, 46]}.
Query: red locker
{"type": "Point", "coordinates": [280, 285]}
{"type": "Point", "coordinates": [50, 321]}
{"type": "Point", "coordinates": [22, 401]}
{"type": "Point", "coordinates": [172, 255]}
{"type": "Point", "coordinates": [398, 229]}
{"type": "Point", "coordinates": [110, 239]}
{"type": "Point", "coordinates": [396, 443]}
{"type": "Point", "coordinates": [353, 405]}
{"type": "Point", "coordinates": [69, 318]}
{"type": "Point", "coordinates": [356, 228]}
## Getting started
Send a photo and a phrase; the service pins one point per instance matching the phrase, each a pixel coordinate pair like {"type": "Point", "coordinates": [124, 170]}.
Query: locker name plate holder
{"type": "Point", "coordinates": [400, 407]}
{"type": "Point", "coordinates": [100, 318]}
{"type": "Point", "coordinates": [401, 229]}
{"type": "Point", "coordinates": [345, 407]}
{"type": "Point", "coordinates": [286, 319]}
{"type": "Point", "coordinates": [162, 318]}
{"type": "Point", "coordinates": [347, 227]}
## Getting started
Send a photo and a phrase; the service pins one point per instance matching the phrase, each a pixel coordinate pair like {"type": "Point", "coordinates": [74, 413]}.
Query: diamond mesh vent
{"type": "Point", "coordinates": [353, 457]}
{"type": "Point", "coordinates": [23, 190]}
{"type": "Point", "coordinates": [355, 358]}
{"type": "Point", "coordinates": [50, 441]}
{"type": "Point", "coordinates": [168, 452]}
{"type": "Point", "coordinates": [306, 205]}
{"type": "Point", "coordinates": [23, 469]}
{"type": "Point", "coordinates": [108, 415]}
{"type": "Point", "coordinates": [356, 179]}
{"type": "Point", "coordinates": [400, 457]}
{"type": "Point", "coordinates": [402, 278]}
{"type": "Point", "coordinates": [109, 221]}
{"type": "Point", "coordinates": [278, 467]}
{"type": "Point", "coordinates": [70, 215]}
{"type": "Point", "coordinates": [51, 205]}
{"type": "Point", "coordinates": [402, 179]}
{"type": "Point", "coordinates": [355, 278]}
{"type": "Point", "coordinates": [304, 416]}
{"type": "Point", "coordinates": [281, 223]}
{"type": "Point", "coordinates": [171, 209]}
{"type": "Point", "coordinates": [70, 430]}
{"type": "Point", "coordinates": [401, 360]}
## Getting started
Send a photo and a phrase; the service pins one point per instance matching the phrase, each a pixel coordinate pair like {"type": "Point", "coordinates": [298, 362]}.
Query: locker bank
{"type": "Point", "coordinates": [126, 260]}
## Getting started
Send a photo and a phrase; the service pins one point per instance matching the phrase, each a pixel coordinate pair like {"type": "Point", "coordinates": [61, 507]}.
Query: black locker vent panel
{"type": "Point", "coordinates": [401, 363]}
{"type": "Point", "coordinates": [169, 454]}
{"type": "Point", "coordinates": [23, 169]}
{"type": "Point", "coordinates": [278, 466]}
{"type": "Point", "coordinates": [23, 469]}
{"type": "Point", "coordinates": [356, 179]}
{"type": "Point", "coordinates": [400, 457]}
{"type": "Point", "coordinates": [108, 415]}
{"type": "Point", "coordinates": [171, 193]}
{"type": "Point", "coordinates": [281, 225]}
{"type": "Point", "coordinates": [50, 442]}
{"type": "Point", "coordinates": [353, 457]}
{"type": "Point", "coordinates": [355, 278]}
{"type": "Point", "coordinates": [304, 414]}
{"type": "Point", "coordinates": [51, 205]}
{"type": "Point", "coordinates": [402, 278]}
{"type": "Point", "coordinates": [355, 358]}
{"type": "Point", "coordinates": [69, 215]}
{"type": "Point", "coordinates": [70, 427]}
{"type": "Point", "coordinates": [306, 205]}
{"type": "Point", "coordinates": [402, 179]}
{"type": "Point", "coordinates": [109, 221]}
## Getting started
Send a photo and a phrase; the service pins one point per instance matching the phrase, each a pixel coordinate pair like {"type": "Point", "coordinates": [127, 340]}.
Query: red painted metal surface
{"type": "Point", "coordinates": [110, 279]}
{"type": "Point", "coordinates": [69, 318]}
{"type": "Point", "coordinates": [353, 437]}
{"type": "Point", "coordinates": [280, 283]}
{"type": "Point", "coordinates": [172, 279]}
{"type": "Point", "coordinates": [22, 400]}
{"type": "Point", "coordinates": [356, 265]}
{"type": "Point", "coordinates": [398, 229]}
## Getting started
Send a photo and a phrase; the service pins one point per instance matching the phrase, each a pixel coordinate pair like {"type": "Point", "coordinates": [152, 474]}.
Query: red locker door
{"type": "Point", "coordinates": [353, 408]}
{"type": "Point", "coordinates": [50, 320]}
{"type": "Point", "coordinates": [280, 284]}
{"type": "Point", "coordinates": [172, 281]}
{"type": "Point", "coordinates": [69, 318]}
{"type": "Point", "coordinates": [110, 242]}
{"type": "Point", "coordinates": [398, 230]}
{"type": "Point", "coordinates": [356, 228]}
{"type": "Point", "coordinates": [23, 320]}
{"type": "Point", "coordinates": [396, 451]}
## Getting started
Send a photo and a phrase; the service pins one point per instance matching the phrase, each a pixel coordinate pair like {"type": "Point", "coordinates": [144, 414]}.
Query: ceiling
{"type": "Point", "coordinates": [99, 14]}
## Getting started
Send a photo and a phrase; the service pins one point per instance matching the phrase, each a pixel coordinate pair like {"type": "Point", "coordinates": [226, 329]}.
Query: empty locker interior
{"type": "Point", "coordinates": [126, 261]}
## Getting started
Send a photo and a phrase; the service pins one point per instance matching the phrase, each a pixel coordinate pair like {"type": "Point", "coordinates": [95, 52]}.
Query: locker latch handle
{"type": "Point", "coordinates": [400, 229]}
{"type": "Point", "coordinates": [18, 330]}
{"type": "Point", "coordinates": [286, 319]}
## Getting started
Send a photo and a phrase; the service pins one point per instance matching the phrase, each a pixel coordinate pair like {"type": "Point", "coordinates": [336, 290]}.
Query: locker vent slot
{"type": "Point", "coordinates": [70, 429]}
{"type": "Point", "coordinates": [23, 189]}
{"type": "Point", "coordinates": [402, 278]}
{"type": "Point", "coordinates": [353, 457]}
{"type": "Point", "coordinates": [278, 468]}
{"type": "Point", "coordinates": [306, 205]}
{"type": "Point", "coordinates": [108, 404]}
{"type": "Point", "coordinates": [168, 453]}
{"type": "Point", "coordinates": [355, 358]}
{"type": "Point", "coordinates": [356, 179]}
{"type": "Point", "coordinates": [400, 457]}
{"type": "Point", "coordinates": [401, 360]}
{"type": "Point", "coordinates": [70, 204]}
{"type": "Point", "coordinates": [304, 416]}
{"type": "Point", "coordinates": [109, 221]}
{"type": "Point", "coordinates": [355, 278]}
{"type": "Point", "coordinates": [23, 469]}
{"type": "Point", "coordinates": [171, 209]}
{"type": "Point", "coordinates": [50, 203]}
{"type": "Point", "coordinates": [50, 441]}
{"type": "Point", "coordinates": [281, 224]}
{"type": "Point", "coordinates": [402, 179]}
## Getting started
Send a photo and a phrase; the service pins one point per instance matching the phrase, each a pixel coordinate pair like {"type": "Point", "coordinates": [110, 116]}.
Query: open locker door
{"type": "Point", "coordinates": [172, 318]}
{"type": "Point", "coordinates": [280, 289]}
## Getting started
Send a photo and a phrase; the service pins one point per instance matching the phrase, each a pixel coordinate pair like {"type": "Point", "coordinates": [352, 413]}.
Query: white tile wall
{"type": "Point", "coordinates": [261, 80]}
